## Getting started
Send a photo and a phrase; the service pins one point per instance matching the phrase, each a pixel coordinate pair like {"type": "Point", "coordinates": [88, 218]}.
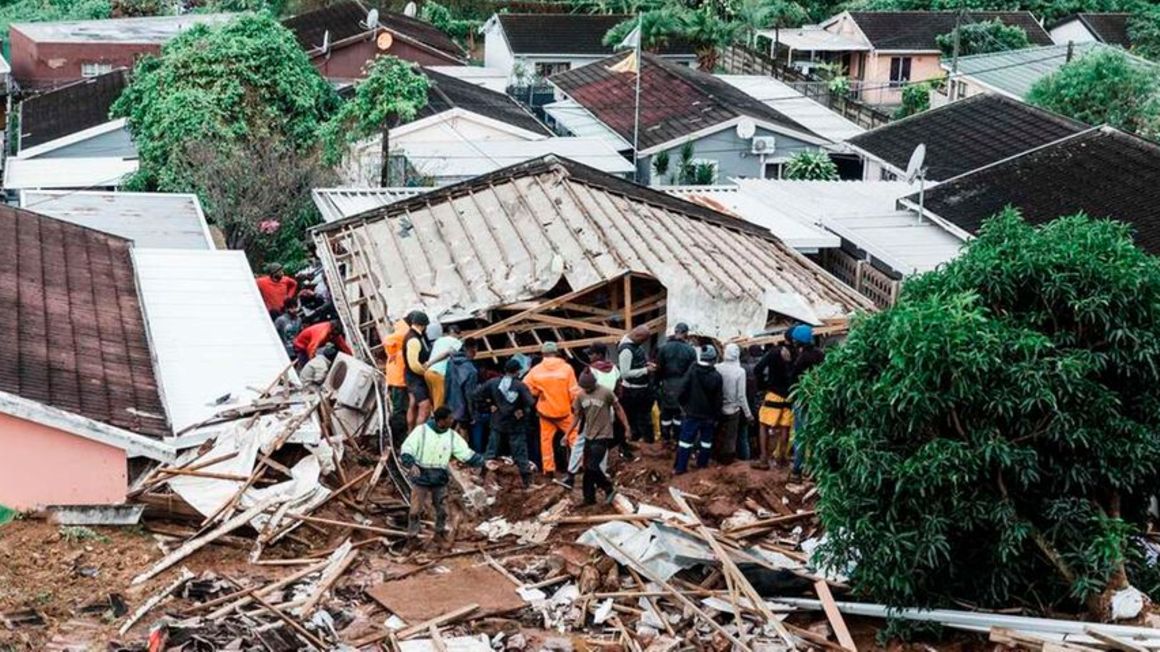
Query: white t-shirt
{"type": "Point", "coordinates": [448, 343]}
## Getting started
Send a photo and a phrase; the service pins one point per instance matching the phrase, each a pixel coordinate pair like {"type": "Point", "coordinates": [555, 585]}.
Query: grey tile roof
{"type": "Point", "coordinates": [917, 30]}
{"type": "Point", "coordinates": [575, 34]}
{"type": "Point", "coordinates": [69, 109]}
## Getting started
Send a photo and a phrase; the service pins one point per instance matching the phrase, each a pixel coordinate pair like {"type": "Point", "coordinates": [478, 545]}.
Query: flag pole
{"type": "Point", "coordinates": [636, 101]}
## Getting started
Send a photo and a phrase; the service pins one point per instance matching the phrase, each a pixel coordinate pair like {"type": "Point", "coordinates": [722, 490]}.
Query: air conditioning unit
{"type": "Point", "coordinates": [764, 144]}
{"type": "Point", "coordinates": [350, 381]}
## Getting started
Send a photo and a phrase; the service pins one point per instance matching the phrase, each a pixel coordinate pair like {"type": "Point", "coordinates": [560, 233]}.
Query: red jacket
{"type": "Point", "coordinates": [275, 293]}
{"type": "Point", "coordinates": [315, 336]}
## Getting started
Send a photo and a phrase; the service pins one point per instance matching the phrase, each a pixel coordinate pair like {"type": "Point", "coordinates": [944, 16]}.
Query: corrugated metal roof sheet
{"type": "Point", "coordinates": [1014, 72]}
{"type": "Point", "coordinates": [800, 235]}
{"type": "Point", "coordinates": [512, 235]}
{"type": "Point", "coordinates": [149, 219]}
{"type": "Point", "coordinates": [806, 112]}
{"type": "Point", "coordinates": [448, 161]}
{"type": "Point", "coordinates": [338, 203]}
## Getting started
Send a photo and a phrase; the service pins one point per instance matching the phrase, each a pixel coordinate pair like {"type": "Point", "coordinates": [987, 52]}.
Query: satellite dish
{"type": "Point", "coordinates": [372, 18]}
{"type": "Point", "coordinates": [410, 10]}
{"type": "Point", "coordinates": [326, 42]}
{"type": "Point", "coordinates": [746, 128]}
{"type": "Point", "coordinates": [914, 167]}
{"type": "Point", "coordinates": [384, 41]}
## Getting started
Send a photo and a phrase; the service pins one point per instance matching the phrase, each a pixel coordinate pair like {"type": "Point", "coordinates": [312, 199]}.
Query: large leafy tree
{"type": "Point", "coordinates": [1103, 87]}
{"type": "Point", "coordinates": [393, 91]}
{"type": "Point", "coordinates": [36, 11]}
{"type": "Point", "coordinates": [756, 15]}
{"type": "Point", "coordinates": [983, 37]}
{"type": "Point", "coordinates": [1144, 30]}
{"type": "Point", "coordinates": [703, 28]}
{"type": "Point", "coordinates": [246, 79]}
{"type": "Point", "coordinates": [658, 28]}
{"type": "Point", "coordinates": [811, 165]}
{"type": "Point", "coordinates": [992, 438]}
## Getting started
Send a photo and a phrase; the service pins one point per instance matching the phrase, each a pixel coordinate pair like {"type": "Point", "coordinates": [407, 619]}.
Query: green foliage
{"type": "Point", "coordinates": [658, 28]}
{"type": "Point", "coordinates": [7, 514]}
{"type": "Point", "coordinates": [461, 29]}
{"type": "Point", "coordinates": [79, 534]}
{"type": "Point", "coordinates": [36, 11]}
{"type": "Point", "coordinates": [393, 89]}
{"type": "Point", "coordinates": [1103, 87]}
{"type": "Point", "coordinates": [915, 99]}
{"type": "Point", "coordinates": [704, 174]}
{"type": "Point", "coordinates": [660, 165]}
{"type": "Point", "coordinates": [762, 14]}
{"type": "Point", "coordinates": [245, 80]}
{"type": "Point", "coordinates": [274, 7]}
{"type": "Point", "coordinates": [983, 37]}
{"type": "Point", "coordinates": [686, 169]}
{"type": "Point", "coordinates": [811, 165]}
{"type": "Point", "coordinates": [1144, 30]}
{"type": "Point", "coordinates": [991, 438]}
{"type": "Point", "coordinates": [706, 31]}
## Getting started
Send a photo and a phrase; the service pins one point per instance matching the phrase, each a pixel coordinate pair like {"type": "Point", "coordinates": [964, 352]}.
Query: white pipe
{"type": "Point", "coordinates": [980, 621]}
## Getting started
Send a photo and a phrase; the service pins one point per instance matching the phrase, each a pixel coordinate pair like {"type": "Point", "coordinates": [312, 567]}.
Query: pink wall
{"type": "Point", "coordinates": [40, 466]}
{"type": "Point", "coordinates": [875, 75]}
{"type": "Point", "coordinates": [47, 64]}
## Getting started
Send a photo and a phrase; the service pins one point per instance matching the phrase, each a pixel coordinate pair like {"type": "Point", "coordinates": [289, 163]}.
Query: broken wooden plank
{"type": "Point", "coordinates": [152, 602]}
{"type": "Point", "coordinates": [193, 545]}
{"type": "Point", "coordinates": [837, 623]}
{"type": "Point", "coordinates": [330, 575]}
{"type": "Point", "coordinates": [403, 634]}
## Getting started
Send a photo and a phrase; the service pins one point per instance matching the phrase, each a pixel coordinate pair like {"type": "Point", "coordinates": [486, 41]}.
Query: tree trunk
{"type": "Point", "coordinates": [385, 169]}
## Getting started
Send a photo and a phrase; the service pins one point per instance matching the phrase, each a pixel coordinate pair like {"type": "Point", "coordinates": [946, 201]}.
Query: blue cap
{"type": "Point", "coordinates": [802, 334]}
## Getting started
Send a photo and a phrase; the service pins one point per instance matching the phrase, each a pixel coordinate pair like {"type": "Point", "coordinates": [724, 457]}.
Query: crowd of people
{"type": "Point", "coordinates": [562, 414]}
{"type": "Point", "coordinates": [566, 416]}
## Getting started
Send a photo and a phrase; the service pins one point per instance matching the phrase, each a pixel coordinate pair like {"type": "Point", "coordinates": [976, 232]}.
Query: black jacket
{"type": "Point", "coordinates": [701, 393]}
{"type": "Point", "coordinates": [674, 359]}
{"type": "Point", "coordinates": [504, 418]}
{"type": "Point", "coordinates": [773, 373]}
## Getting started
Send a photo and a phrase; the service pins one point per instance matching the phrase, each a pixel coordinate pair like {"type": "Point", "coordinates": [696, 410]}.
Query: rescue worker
{"type": "Point", "coordinates": [396, 378]}
{"type": "Point", "coordinates": [426, 454]}
{"type": "Point", "coordinates": [701, 396]}
{"type": "Point", "coordinates": [276, 289]}
{"type": "Point", "coordinates": [594, 407]}
{"type": "Point", "coordinates": [416, 352]}
{"type": "Point", "coordinates": [509, 403]}
{"type": "Point", "coordinates": [312, 338]}
{"type": "Point", "coordinates": [553, 384]}
{"type": "Point", "coordinates": [636, 397]}
{"type": "Point", "coordinates": [674, 359]}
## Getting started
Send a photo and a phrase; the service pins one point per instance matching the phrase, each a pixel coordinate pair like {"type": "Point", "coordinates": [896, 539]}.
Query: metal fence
{"type": "Point", "coordinates": [740, 60]}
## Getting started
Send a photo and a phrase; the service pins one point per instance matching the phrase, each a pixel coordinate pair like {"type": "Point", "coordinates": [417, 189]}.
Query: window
{"type": "Point", "coordinates": [773, 170]}
{"type": "Point", "coordinates": [899, 70]}
{"type": "Point", "coordinates": [94, 69]}
{"type": "Point", "coordinates": [549, 68]}
{"type": "Point", "coordinates": [960, 90]}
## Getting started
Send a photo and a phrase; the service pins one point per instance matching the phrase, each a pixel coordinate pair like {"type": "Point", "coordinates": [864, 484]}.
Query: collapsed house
{"type": "Point", "coordinates": [117, 352]}
{"type": "Point", "coordinates": [554, 250]}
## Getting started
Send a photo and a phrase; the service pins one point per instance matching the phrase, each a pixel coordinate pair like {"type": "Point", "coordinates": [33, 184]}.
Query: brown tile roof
{"type": "Point", "coordinates": [917, 30]}
{"type": "Point", "coordinates": [347, 18]}
{"type": "Point", "coordinates": [675, 100]}
{"type": "Point", "coordinates": [75, 336]}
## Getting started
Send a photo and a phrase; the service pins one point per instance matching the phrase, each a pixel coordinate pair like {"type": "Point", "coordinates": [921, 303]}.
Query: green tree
{"type": "Point", "coordinates": [660, 165]}
{"type": "Point", "coordinates": [1047, 10]}
{"type": "Point", "coordinates": [983, 37]}
{"type": "Point", "coordinates": [393, 90]}
{"type": "Point", "coordinates": [756, 15]}
{"type": "Point", "coordinates": [461, 29]}
{"type": "Point", "coordinates": [658, 28]}
{"type": "Point", "coordinates": [811, 165]}
{"type": "Point", "coordinates": [708, 33]}
{"type": "Point", "coordinates": [244, 80]}
{"type": "Point", "coordinates": [915, 99]}
{"type": "Point", "coordinates": [991, 438]}
{"type": "Point", "coordinates": [36, 11]}
{"type": "Point", "coordinates": [1144, 30]}
{"type": "Point", "coordinates": [1103, 87]}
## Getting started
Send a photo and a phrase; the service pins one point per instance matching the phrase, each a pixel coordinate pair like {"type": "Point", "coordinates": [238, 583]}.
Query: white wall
{"type": "Point", "coordinates": [496, 51]}
{"type": "Point", "coordinates": [1073, 30]}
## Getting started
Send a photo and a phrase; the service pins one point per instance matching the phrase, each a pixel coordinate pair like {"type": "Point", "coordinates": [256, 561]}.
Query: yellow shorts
{"type": "Point", "coordinates": [775, 411]}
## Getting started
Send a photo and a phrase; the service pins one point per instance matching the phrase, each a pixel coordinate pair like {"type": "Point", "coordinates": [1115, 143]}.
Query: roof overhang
{"type": "Point", "coordinates": [814, 40]}
{"type": "Point", "coordinates": [803, 136]}
{"type": "Point", "coordinates": [72, 139]}
{"type": "Point", "coordinates": [935, 218]}
{"type": "Point", "coordinates": [133, 444]}
{"type": "Point", "coordinates": [459, 112]}
{"type": "Point", "coordinates": [369, 34]}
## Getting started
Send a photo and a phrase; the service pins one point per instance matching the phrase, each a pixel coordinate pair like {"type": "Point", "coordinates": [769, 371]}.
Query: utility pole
{"type": "Point", "coordinates": [958, 39]}
{"type": "Point", "coordinates": [1070, 51]}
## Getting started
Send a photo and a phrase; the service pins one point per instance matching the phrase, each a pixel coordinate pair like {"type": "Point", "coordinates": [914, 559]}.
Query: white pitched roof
{"type": "Point", "coordinates": [455, 160]}
{"type": "Point", "coordinates": [580, 122]}
{"type": "Point", "coordinates": [210, 331]}
{"type": "Point", "coordinates": [800, 235]}
{"type": "Point", "coordinates": [149, 219]}
{"type": "Point", "coordinates": [797, 107]}
{"type": "Point", "coordinates": [337, 203]}
{"type": "Point", "coordinates": [100, 172]}
{"type": "Point", "coordinates": [812, 38]}
{"type": "Point", "coordinates": [865, 213]}
{"type": "Point", "coordinates": [151, 29]}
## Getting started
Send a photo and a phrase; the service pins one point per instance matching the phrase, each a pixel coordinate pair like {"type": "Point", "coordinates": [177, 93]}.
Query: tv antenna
{"type": "Point", "coordinates": [410, 10]}
{"type": "Point", "coordinates": [372, 18]}
{"type": "Point", "coordinates": [915, 170]}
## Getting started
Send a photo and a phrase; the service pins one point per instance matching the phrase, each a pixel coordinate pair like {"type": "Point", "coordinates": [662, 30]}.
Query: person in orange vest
{"type": "Point", "coordinates": [553, 383]}
{"type": "Point", "coordinates": [396, 377]}
{"type": "Point", "coordinates": [276, 289]}
{"type": "Point", "coordinates": [312, 337]}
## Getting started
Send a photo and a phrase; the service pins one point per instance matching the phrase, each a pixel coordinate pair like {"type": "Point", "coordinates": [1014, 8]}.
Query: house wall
{"type": "Point", "coordinates": [41, 466]}
{"type": "Point", "coordinates": [1074, 31]}
{"type": "Point", "coordinates": [923, 66]}
{"type": "Point", "coordinates": [114, 143]}
{"type": "Point", "coordinates": [348, 61]}
{"type": "Point", "coordinates": [38, 65]}
{"type": "Point", "coordinates": [732, 154]}
{"type": "Point", "coordinates": [496, 51]}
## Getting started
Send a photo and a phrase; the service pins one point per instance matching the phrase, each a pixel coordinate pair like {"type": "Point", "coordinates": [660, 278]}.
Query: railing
{"type": "Point", "coordinates": [740, 60]}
